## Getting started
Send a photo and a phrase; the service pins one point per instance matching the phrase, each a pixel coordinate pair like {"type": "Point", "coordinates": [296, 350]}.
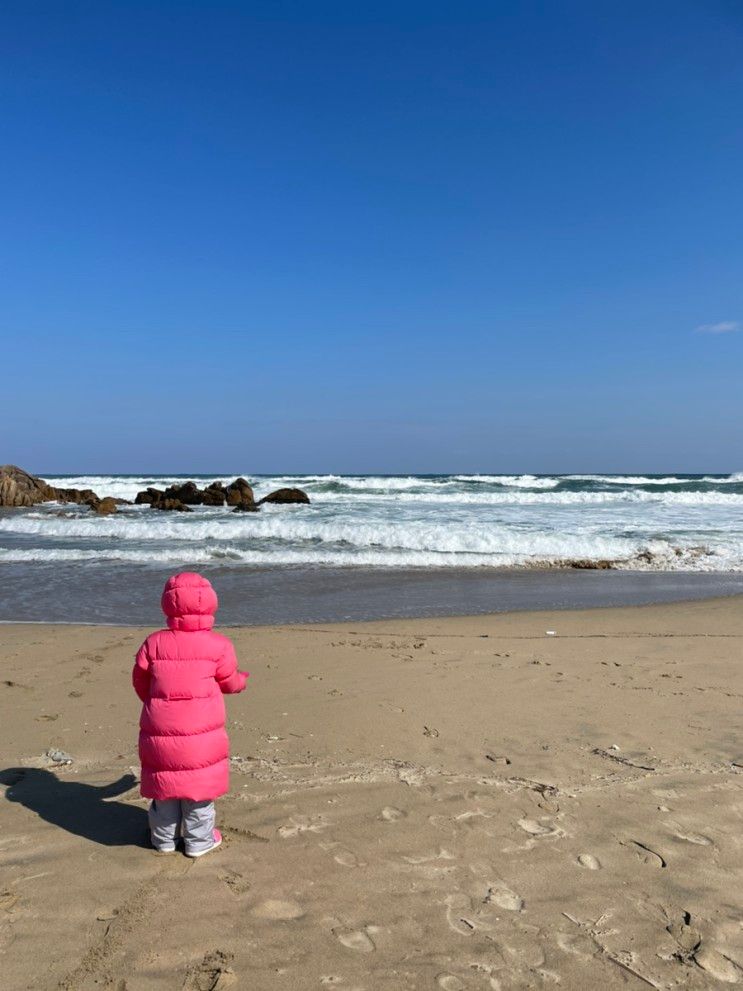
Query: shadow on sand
{"type": "Point", "coordinates": [79, 808]}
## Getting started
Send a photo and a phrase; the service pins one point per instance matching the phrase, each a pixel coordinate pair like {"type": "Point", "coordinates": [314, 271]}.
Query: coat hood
{"type": "Point", "coordinates": [189, 602]}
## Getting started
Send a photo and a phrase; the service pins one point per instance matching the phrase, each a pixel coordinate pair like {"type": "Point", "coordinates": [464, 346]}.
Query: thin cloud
{"type": "Point", "coordinates": [724, 327]}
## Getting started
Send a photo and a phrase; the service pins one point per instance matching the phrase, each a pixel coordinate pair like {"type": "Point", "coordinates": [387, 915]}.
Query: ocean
{"type": "Point", "coordinates": [400, 533]}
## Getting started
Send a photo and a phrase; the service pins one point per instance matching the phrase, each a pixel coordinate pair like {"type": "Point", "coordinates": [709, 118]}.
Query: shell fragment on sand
{"type": "Point", "coordinates": [58, 756]}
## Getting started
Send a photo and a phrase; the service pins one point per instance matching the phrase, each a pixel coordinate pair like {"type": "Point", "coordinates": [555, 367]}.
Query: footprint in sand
{"type": "Point", "coordinates": [237, 884]}
{"type": "Point", "coordinates": [488, 972]}
{"type": "Point", "coordinates": [8, 900]}
{"type": "Point", "coordinates": [590, 862]}
{"type": "Point", "coordinates": [449, 982]}
{"type": "Point", "coordinates": [390, 814]}
{"type": "Point", "coordinates": [687, 937]}
{"type": "Point", "coordinates": [578, 944]}
{"type": "Point", "coordinates": [534, 828]}
{"type": "Point", "coordinates": [355, 939]}
{"type": "Point", "coordinates": [501, 895]}
{"type": "Point", "coordinates": [444, 824]}
{"type": "Point", "coordinates": [347, 858]}
{"type": "Point", "coordinates": [459, 914]}
{"type": "Point", "coordinates": [244, 834]}
{"type": "Point", "coordinates": [278, 908]}
{"type": "Point", "coordinates": [646, 855]}
{"type": "Point", "coordinates": [302, 824]}
{"type": "Point", "coordinates": [213, 973]}
{"type": "Point", "coordinates": [470, 817]}
{"type": "Point", "coordinates": [427, 858]}
{"type": "Point", "coordinates": [342, 855]}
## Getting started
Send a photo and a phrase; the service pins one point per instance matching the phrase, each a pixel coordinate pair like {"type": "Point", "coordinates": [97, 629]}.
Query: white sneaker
{"type": "Point", "coordinates": [217, 842]}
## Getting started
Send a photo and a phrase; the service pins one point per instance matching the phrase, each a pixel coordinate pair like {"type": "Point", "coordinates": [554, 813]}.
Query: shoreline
{"type": "Point", "coordinates": [307, 627]}
{"type": "Point", "coordinates": [295, 595]}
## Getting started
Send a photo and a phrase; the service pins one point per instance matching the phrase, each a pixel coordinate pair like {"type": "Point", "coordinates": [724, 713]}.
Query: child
{"type": "Point", "coordinates": [180, 675]}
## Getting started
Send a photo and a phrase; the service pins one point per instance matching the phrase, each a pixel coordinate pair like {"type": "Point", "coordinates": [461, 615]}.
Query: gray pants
{"type": "Point", "coordinates": [174, 817]}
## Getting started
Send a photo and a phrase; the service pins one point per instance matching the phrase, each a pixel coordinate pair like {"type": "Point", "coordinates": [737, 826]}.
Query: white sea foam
{"type": "Point", "coordinates": [545, 498]}
{"type": "Point", "coordinates": [667, 523]}
{"type": "Point", "coordinates": [337, 486]}
{"type": "Point", "coordinates": [116, 485]}
{"type": "Point", "coordinates": [512, 481]}
{"type": "Point", "coordinates": [629, 480]}
{"type": "Point", "coordinates": [664, 557]}
{"type": "Point", "coordinates": [483, 533]}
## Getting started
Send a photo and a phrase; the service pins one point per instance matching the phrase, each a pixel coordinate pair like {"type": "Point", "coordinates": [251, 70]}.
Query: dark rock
{"type": "Point", "coordinates": [286, 496]}
{"type": "Point", "coordinates": [214, 495]}
{"type": "Point", "coordinates": [246, 507]}
{"type": "Point", "coordinates": [188, 493]}
{"type": "Point", "coordinates": [600, 565]}
{"type": "Point", "coordinates": [172, 505]}
{"type": "Point", "coordinates": [78, 496]}
{"type": "Point", "coordinates": [19, 488]}
{"type": "Point", "coordinates": [239, 491]}
{"type": "Point", "coordinates": [104, 507]}
{"type": "Point", "coordinates": [149, 497]}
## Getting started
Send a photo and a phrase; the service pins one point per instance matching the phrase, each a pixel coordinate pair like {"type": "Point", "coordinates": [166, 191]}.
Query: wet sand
{"type": "Point", "coordinates": [101, 594]}
{"type": "Point", "coordinates": [458, 803]}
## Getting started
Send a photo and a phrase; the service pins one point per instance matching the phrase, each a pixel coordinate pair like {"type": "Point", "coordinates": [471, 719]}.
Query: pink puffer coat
{"type": "Point", "coordinates": [180, 675]}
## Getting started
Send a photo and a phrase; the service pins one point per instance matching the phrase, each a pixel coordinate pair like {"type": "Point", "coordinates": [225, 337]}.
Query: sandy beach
{"type": "Point", "coordinates": [402, 344]}
{"type": "Point", "coordinates": [454, 803]}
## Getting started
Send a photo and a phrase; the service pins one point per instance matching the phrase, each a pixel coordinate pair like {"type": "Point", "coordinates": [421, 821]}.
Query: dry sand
{"type": "Point", "coordinates": [444, 803]}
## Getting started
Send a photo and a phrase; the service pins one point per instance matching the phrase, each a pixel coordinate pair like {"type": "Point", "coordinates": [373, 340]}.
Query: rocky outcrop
{"type": "Point", "coordinates": [246, 507]}
{"type": "Point", "coordinates": [238, 495]}
{"type": "Point", "coordinates": [188, 493]}
{"type": "Point", "coordinates": [172, 498]}
{"type": "Point", "coordinates": [19, 488]}
{"type": "Point", "coordinates": [286, 497]}
{"type": "Point", "coordinates": [104, 507]}
{"type": "Point", "coordinates": [214, 495]}
{"type": "Point", "coordinates": [148, 497]}
{"type": "Point", "coordinates": [172, 505]}
{"type": "Point", "coordinates": [78, 496]}
{"type": "Point", "coordinates": [239, 491]}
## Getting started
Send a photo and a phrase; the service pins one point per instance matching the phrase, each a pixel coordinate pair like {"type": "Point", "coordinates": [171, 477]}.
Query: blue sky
{"type": "Point", "coordinates": [353, 237]}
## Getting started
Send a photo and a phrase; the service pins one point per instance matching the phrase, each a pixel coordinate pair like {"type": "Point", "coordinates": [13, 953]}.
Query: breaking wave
{"type": "Point", "coordinates": [644, 522]}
